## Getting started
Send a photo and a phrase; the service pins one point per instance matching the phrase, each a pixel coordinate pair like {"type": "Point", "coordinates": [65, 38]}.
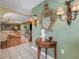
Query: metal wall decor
{"type": "Point", "coordinates": [71, 12]}
{"type": "Point", "coordinates": [47, 12]}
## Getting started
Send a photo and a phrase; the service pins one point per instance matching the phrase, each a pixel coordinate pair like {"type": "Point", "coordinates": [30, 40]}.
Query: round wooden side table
{"type": "Point", "coordinates": [46, 44]}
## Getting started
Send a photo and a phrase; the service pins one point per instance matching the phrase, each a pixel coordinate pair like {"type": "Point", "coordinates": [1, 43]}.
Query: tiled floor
{"type": "Point", "coordinates": [23, 51]}
{"type": "Point", "coordinates": [16, 49]}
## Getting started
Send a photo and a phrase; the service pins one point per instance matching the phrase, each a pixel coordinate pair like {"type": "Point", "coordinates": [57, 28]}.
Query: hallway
{"type": "Point", "coordinates": [23, 51]}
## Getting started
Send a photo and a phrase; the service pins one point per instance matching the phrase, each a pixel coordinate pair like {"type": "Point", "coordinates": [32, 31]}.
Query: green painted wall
{"type": "Point", "coordinates": [67, 37]}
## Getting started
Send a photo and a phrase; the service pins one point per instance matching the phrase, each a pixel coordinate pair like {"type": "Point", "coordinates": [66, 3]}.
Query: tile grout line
{"type": "Point", "coordinates": [9, 52]}
{"type": "Point", "coordinates": [29, 53]}
{"type": "Point", "coordinates": [19, 52]}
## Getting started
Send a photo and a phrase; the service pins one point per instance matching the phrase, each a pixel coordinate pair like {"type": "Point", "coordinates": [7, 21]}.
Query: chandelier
{"type": "Point", "coordinates": [71, 11]}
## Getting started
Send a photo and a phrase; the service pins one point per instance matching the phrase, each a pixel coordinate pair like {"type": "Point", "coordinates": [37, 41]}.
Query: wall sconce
{"type": "Point", "coordinates": [70, 11]}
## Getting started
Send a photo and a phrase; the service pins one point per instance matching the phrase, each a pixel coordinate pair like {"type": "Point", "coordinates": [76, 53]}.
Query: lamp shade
{"type": "Point", "coordinates": [75, 6]}
{"type": "Point", "coordinates": [60, 11]}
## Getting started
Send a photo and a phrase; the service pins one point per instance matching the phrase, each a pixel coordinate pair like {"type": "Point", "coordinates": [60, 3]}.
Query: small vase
{"type": "Point", "coordinates": [50, 38]}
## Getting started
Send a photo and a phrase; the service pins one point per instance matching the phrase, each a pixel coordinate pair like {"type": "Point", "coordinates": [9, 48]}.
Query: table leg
{"type": "Point", "coordinates": [54, 52]}
{"type": "Point", "coordinates": [39, 51]}
{"type": "Point", "coordinates": [46, 52]}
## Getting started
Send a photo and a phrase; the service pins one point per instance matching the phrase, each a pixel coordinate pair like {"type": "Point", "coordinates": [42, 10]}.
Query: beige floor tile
{"type": "Point", "coordinates": [23, 51]}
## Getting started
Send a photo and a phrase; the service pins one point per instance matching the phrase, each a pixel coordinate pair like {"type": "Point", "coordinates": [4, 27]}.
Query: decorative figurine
{"type": "Point", "coordinates": [43, 34]}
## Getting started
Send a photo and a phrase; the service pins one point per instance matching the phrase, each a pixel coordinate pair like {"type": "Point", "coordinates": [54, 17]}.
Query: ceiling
{"type": "Point", "coordinates": [17, 10]}
{"type": "Point", "coordinates": [7, 15]}
{"type": "Point", "coordinates": [14, 18]}
{"type": "Point", "coordinates": [21, 6]}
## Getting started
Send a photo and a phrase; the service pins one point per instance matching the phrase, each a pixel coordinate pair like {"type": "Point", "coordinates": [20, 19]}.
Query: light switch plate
{"type": "Point", "coordinates": [62, 51]}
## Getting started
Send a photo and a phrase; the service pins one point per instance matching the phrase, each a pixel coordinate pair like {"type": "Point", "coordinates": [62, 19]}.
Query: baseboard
{"type": "Point", "coordinates": [49, 57]}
